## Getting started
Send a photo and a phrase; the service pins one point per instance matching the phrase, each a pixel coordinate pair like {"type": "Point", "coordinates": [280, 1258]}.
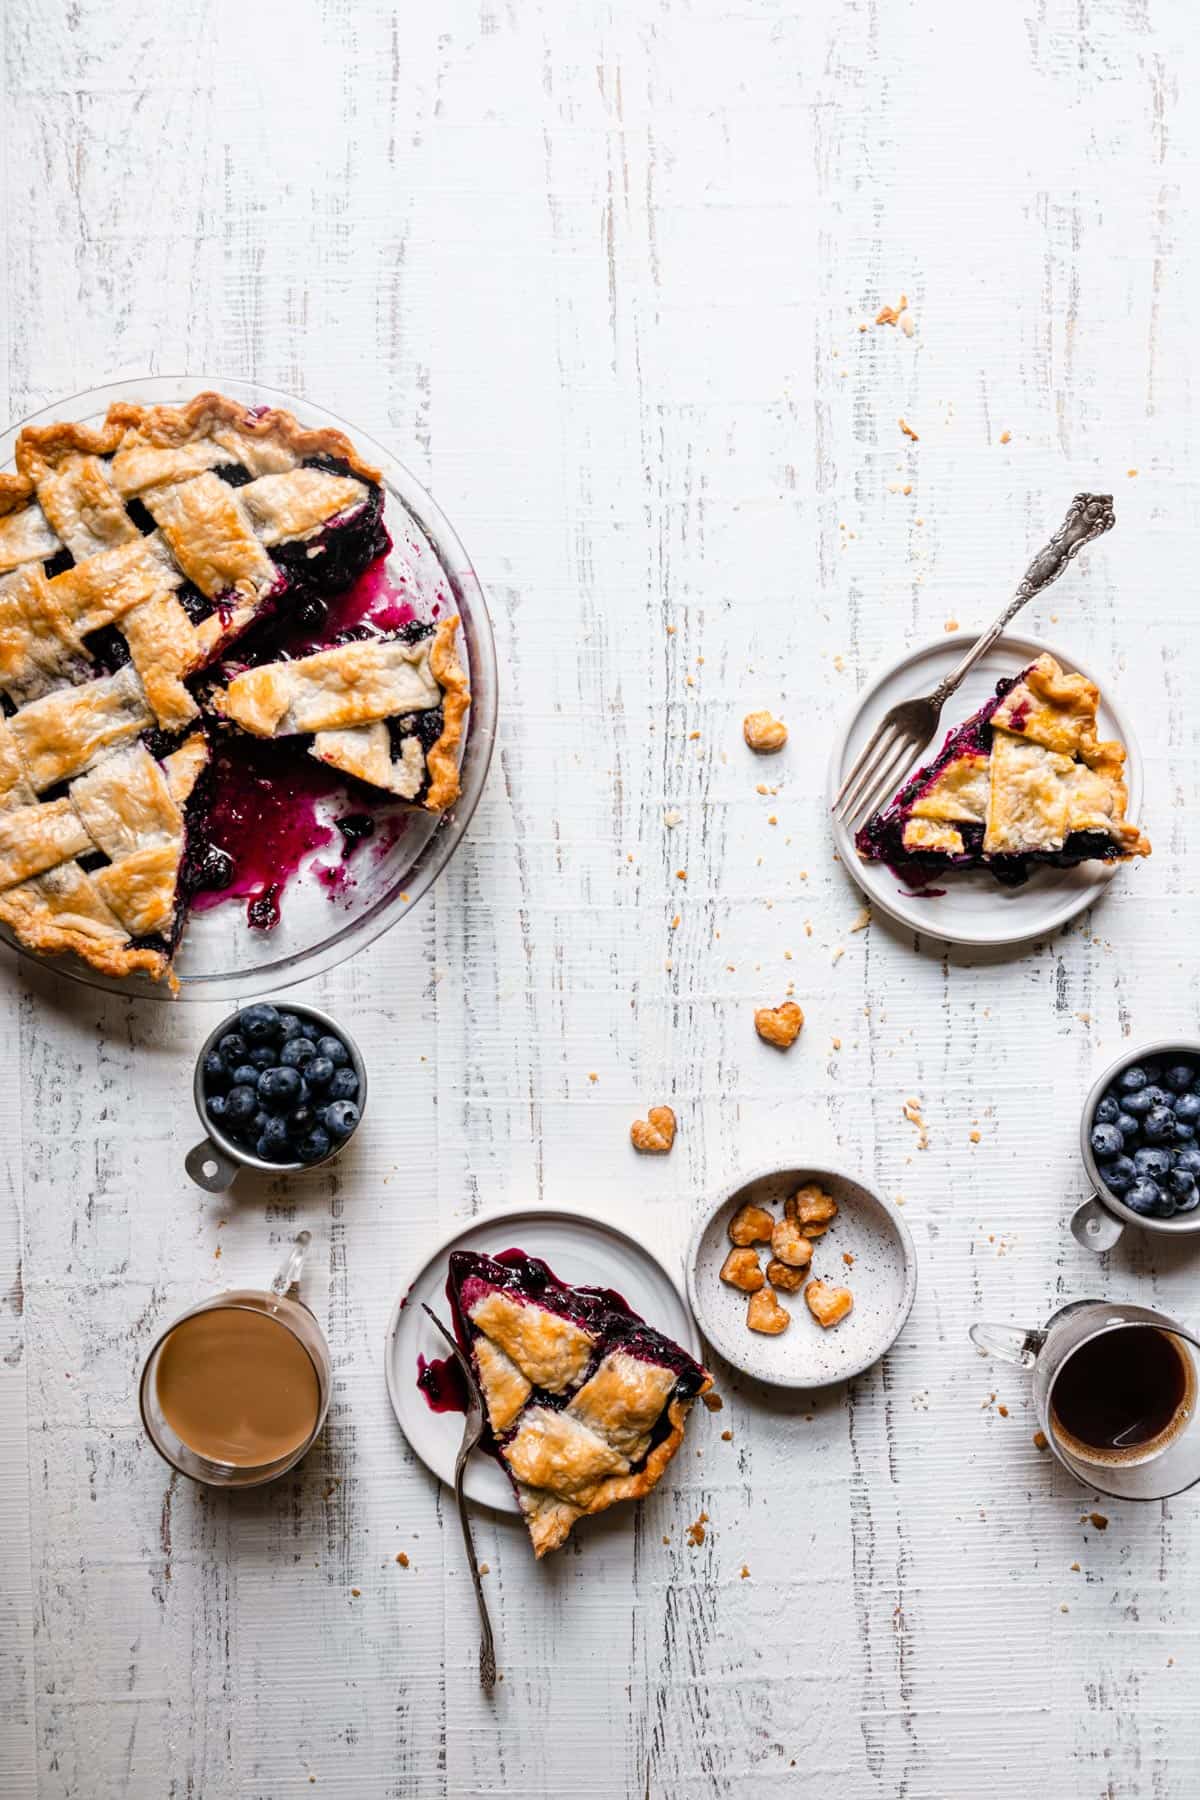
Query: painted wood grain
{"type": "Point", "coordinates": [599, 275]}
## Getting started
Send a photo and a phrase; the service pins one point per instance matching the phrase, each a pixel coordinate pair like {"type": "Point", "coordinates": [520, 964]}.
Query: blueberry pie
{"type": "Point", "coordinates": [137, 557]}
{"type": "Point", "coordinates": [1026, 781]}
{"type": "Point", "coordinates": [586, 1404]}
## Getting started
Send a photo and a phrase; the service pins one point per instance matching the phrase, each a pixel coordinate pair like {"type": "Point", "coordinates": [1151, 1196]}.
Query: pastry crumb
{"type": "Point", "coordinates": [908, 431]}
{"type": "Point", "coordinates": [976, 1137]}
{"type": "Point", "coordinates": [654, 1134]}
{"type": "Point", "coordinates": [485, 1568]}
{"type": "Point", "coordinates": [727, 1437]}
{"type": "Point", "coordinates": [1041, 1441]}
{"type": "Point", "coordinates": [836, 1043]}
{"type": "Point", "coordinates": [1075, 1569]}
{"type": "Point", "coordinates": [1003, 1411]}
{"type": "Point", "coordinates": [892, 315]}
{"type": "Point", "coordinates": [356, 1593]}
{"type": "Point", "coordinates": [745, 1572]}
{"type": "Point", "coordinates": [862, 919]}
{"type": "Point", "coordinates": [1006, 437]}
{"type": "Point", "coordinates": [402, 1558]}
{"type": "Point", "coordinates": [696, 1532]}
{"type": "Point", "coordinates": [950, 625]}
{"type": "Point", "coordinates": [713, 1401]}
{"type": "Point", "coordinates": [592, 1075]}
{"type": "Point", "coordinates": [848, 1258]}
{"type": "Point", "coordinates": [1131, 473]}
{"type": "Point", "coordinates": [671, 819]}
{"type": "Point", "coordinates": [1099, 1521]}
{"type": "Point", "coordinates": [681, 874]}
{"type": "Point", "coordinates": [1064, 1607]}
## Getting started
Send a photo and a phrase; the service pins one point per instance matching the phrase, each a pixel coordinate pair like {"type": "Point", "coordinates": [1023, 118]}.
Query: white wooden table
{"type": "Point", "coordinates": [597, 273]}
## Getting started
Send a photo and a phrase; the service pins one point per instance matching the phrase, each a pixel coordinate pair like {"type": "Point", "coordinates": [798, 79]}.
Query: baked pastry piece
{"type": "Point", "coordinates": [387, 708]}
{"type": "Point", "coordinates": [134, 555]}
{"type": "Point", "coordinates": [1025, 781]}
{"type": "Point", "coordinates": [586, 1404]}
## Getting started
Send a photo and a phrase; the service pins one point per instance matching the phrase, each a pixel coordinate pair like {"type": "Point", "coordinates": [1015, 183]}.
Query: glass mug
{"type": "Point", "coordinates": [1089, 1388]}
{"type": "Point", "coordinates": [236, 1390]}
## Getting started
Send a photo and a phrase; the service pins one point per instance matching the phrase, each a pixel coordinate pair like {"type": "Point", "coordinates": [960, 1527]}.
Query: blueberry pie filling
{"type": "Point", "coordinates": [1024, 782]}
{"type": "Point", "coordinates": [586, 1403]}
{"type": "Point", "coordinates": [134, 556]}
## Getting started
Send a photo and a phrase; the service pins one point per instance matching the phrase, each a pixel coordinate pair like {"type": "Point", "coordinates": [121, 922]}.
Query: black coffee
{"type": "Point", "coordinates": [1122, 1390]}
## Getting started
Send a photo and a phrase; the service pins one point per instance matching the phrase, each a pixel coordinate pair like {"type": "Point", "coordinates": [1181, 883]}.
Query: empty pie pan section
{"type": "Point", "coordinates": [969, 906]}
{"type": "Point", "coordinates": [221, 957]}
{"type": "Point", "coordinates": [881, 1275]}
{"type": "Point", "coordinates": [580, 1250]}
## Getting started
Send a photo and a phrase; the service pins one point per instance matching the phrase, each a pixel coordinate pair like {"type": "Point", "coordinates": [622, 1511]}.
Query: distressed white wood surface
{"type": "Point", "coordinates": [596, 272]}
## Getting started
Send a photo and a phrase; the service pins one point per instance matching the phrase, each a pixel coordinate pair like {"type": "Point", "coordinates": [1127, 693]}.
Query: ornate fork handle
{"type": "Point", "coordinates": [472, 1430]}
{"type": "Point", "coordinates": [1088, 517]}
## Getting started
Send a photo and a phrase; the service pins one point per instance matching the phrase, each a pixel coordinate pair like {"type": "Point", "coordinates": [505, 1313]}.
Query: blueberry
{"type": "Point", "coordinates": [1138, 1103]}
{"type": "Point", "coordinates": [264, 1057]}
{"type": "Point", "coordinates": [310, 1029]}
{"type": "Point", "coordinates": [1107, 1111]}
{"type": "Point", "coordinates": [300, 1121]}
{"type": "Point", "coordinates": [1127, 1125]}
{"type": "Point", "coordinates": [215, 1108]}
{"type": "Point", "coordinates": [1152, 1071]}
{"type": "Point", "coordinates": [1189, 1201]}
{"type": "Point", "coordinates": [1106, 1141]}
{"type": "Point", "coordinates": [274, 1145]}
{"type": "Point", "coordinates": [340, 1117]}
{"type": "Point", "coordinates": [1145, 1196]}
{"type": "Point", "coordinates": [1180, 1184]}
{"type": "Point", "coordinates": [232, 1048]}
{"type": "Point", "coordinates": [313, 1146]}
{"type": "Point", "coordinates": [1157, 1096]}
{"type": "Point", "coordinates": [279, 1088]}
{"type": "Point", "coordinates": [319, 1072]}
{"type": "Point", "coordinates": [1160, 1125]}
{"type": "Point", "coordinates": [296, 1052]}
{"type": "Point", "coordinates": [1152, 1162]}
{"type": "Point", "coordinates": [259, 1122]}
{"type": "Point", "coordinates": [1132, 1078]}
{"type": "Point", "coordinates": [1179, 1077]}
{"type": "Point", "coordinates": [344, 1085]}
{"type": "Point", "coordinates": [1183, 1133]}
{"type": "Point", "coordinates": [1187, 1108]}
{"type": "Point", "coordinates": [241, 1103]}
{"type": "Point", "coordinates": [216, 1075]}
{"type": "Point", "coordinates": [335, 1050]}
{"type": "Point", "coordinates": [1120, 1173]}
{"type": "Point", "coordinates": [245, 1075]}
{"type": "Point", "coordinates": [259, 1024]}
{"type": "Point", "coordinates": [289, 1027]}
{"type": "Point", "coordinates": [1189, 1159]}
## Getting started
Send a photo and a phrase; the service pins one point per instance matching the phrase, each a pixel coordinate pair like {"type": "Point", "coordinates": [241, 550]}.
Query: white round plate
{"type": "Point", "coordinates": [882, 1278]}
{"type": "Point", "coordinates": [974, 909]}
{"type": "Point", "coordinates": [581, 1250]}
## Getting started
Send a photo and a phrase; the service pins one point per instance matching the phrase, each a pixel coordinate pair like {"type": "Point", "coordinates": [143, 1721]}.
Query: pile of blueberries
{"type": "Point", "coordinates": [282, 1086]}
{"type": "Point", "coordinates": [1144, 1137]}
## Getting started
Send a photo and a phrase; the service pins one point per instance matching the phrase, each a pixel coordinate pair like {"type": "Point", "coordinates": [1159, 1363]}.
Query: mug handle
{"type": "Point", "coordinates": [1093, 1226]}
{"type": "Point", "coordinates": [1009, 1342]}
{"type": "Point", "coordinates": [209, 1167]}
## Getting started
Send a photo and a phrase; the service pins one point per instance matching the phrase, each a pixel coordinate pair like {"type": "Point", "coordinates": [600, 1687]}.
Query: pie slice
{"type": "Point", "coordinates": [1025, 781]}
{"type": "Point", "coordinates": [586, 1403]}
{"type": "Point", "coordinates": [135, 555]}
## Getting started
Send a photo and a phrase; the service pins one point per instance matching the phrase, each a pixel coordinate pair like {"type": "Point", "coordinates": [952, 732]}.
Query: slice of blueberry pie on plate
{"type": "Point", "coordinates": [586, 1403]}
{"type": "Point", "coordinates": [156, 569]}
{"type": "Point", "coordinates": [1025, 783]}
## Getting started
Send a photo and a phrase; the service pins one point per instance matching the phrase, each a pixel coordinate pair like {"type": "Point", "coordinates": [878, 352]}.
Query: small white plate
{"type": "Point", "coordinates": [975, 909]}
{"type": "Point", "coordinates": [882, 1278]}
{"type": "Point", "coordinates": [584, 1251]}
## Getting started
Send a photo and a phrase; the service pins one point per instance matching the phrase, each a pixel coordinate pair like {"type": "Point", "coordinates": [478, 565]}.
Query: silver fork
{"type": "Point", "coordinates": [472, 1432]}
{"type": "Point", "coordinates": [908, 727]}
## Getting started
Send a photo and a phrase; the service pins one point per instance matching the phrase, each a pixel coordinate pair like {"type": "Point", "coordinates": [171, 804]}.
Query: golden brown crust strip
{"type": "Point", "coordinates": [442, 757]}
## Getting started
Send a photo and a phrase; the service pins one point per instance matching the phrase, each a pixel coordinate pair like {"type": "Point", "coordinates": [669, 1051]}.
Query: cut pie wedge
{"type": "Point", "coordinates": [586, 1403]}
{"type": "Point", "coordinates": [1025, 782]}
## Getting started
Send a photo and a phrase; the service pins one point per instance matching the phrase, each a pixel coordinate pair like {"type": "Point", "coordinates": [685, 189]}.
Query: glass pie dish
{"type": "Point", "coordinates": [352, 876]}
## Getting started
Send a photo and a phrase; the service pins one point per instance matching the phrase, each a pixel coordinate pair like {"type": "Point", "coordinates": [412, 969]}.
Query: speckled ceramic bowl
{"type": "Point", "coordinates": [882, 1278]}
